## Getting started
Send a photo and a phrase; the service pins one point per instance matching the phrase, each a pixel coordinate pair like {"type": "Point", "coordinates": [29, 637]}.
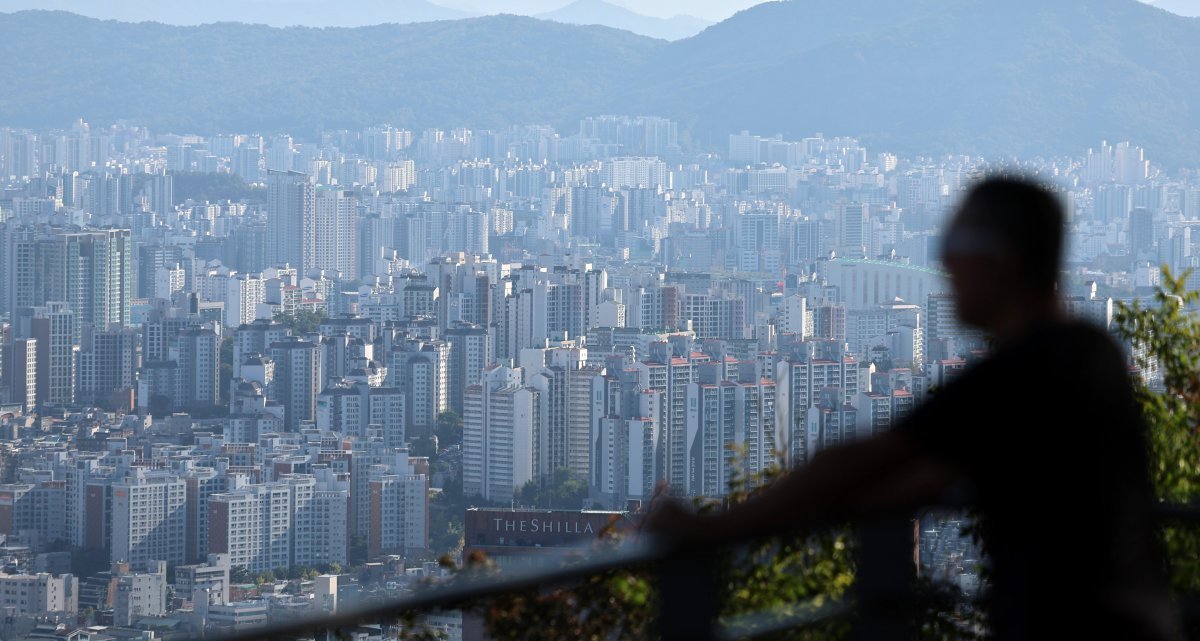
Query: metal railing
{"type": "Point", "coordinates": [882, 601]}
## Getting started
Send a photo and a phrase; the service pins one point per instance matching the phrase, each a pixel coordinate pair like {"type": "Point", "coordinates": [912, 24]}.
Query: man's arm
{"type": "Point", "coordinates": [884, 473]}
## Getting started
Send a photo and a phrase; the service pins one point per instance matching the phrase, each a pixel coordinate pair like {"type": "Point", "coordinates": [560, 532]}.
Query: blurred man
{"type": "Point", "coordinates": [1044, 432]}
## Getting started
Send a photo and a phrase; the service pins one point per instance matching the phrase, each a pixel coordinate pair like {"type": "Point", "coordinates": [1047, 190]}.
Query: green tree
{"type": "Point", "coordinates": [562, 491]}
{"type": "Point", "coordinates": [424, 446]}
{"type": "Point", "coordinates": [1165, 337]}
{"type": "Point", "coordinates": [238, 574]}
{"type": "Point", "coordinates": [449, 429]}
{"type": "Point", "coordinates": [199, 187]}
{"type": "Point", "coordinates": [358, 550]}
{"type": "Point", "coordinates": [446, 514]}
{"type": "Point", "coordinates": [303, 321]}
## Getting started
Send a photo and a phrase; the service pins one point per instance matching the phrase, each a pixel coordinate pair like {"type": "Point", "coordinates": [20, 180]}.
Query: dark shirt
{"type": "Point", "coordinates": [1047, 432]}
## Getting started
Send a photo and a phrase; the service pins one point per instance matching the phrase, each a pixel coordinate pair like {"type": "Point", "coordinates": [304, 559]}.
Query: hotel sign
{"type": "Point", "coordinates": [544, 525]}
{"type": "Point", "coordinates": [496, 527]}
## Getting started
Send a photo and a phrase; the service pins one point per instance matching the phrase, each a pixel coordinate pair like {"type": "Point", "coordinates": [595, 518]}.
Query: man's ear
{"type": "Point", "coordinates": [1008, 268]}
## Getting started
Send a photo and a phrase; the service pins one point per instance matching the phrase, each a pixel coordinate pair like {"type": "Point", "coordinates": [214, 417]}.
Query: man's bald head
{"type": "Point", "coordinates": [1015, 216]}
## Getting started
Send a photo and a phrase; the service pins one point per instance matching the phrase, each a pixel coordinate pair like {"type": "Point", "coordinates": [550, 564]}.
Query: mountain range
{"type": "Point", "coordinates": [1022, 77]}
{"type": "Point", "coordinates": [598, 12]}
{"type": "Point", "coordinates": [1014, 77]}
{"type": "Point", "coordinates": [349, 13]}
{"type": "Point", "coordinates": [276, 13]}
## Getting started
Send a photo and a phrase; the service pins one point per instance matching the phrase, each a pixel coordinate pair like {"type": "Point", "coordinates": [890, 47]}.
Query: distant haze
{"type": "Point", "coordinates": [663, 19]}
{"type": "Point", "coordinates": [316, 13]}
{"type": "Point", "coordinates": [712, 10]}
{"type": "Point", "coordinates": [366, 12]}
{"type": "Point", "coordinates": [1085, 70]}
{"type": "Point", "coordinates": [1190, 8]}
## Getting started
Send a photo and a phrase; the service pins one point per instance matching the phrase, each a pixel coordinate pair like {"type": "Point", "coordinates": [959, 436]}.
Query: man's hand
{"type": "Point", "coordinates": [670, 519]}
{"type": "Point", "coordinates": [674, 522]}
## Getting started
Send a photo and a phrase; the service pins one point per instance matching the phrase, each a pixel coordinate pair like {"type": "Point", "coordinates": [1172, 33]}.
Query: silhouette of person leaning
{"type": "Point", "coordinates": [1044, 432]}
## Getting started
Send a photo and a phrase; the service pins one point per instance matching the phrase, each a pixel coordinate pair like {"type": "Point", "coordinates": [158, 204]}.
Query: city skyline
{"type": "Point", "coordinates": [262, 353]}
{"type": "Point", "coordinates": [295, 321]}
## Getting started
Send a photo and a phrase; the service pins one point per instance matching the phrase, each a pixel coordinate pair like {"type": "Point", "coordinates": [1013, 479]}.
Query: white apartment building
{"type": "Point", "coordinates": [243, 293]}
{"type": "Point", "coordinates": [399, 514]}
{"type": "Point", "coordinates": [38, 594]}
{"type": "Point", "coordinates": [253, 525]}
{"type": "Point", "coordinates": [500, 417]}
{"type": "Point", "coordinates": [621, 173]}
{"type": "Point", "coordinates": [623, 461]}
{"type": "Point", "coordinates": [141, 594]}
{"type": "Point", "coordinates": [148, 517]}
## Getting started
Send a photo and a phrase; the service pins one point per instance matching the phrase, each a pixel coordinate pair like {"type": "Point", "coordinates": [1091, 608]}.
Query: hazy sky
{"type": "Point", "coordinates": [1182, 7]}
{"type": "Point", "coordinates": [711, 10]}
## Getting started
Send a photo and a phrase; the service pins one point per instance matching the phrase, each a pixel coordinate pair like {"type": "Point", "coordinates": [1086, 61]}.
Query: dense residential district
{"type": "Point", "coordinates": [245, 377]}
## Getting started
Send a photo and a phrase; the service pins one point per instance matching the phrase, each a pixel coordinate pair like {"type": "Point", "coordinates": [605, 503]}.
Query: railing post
{"type": "Point", "coordinates": [884, 581]}
{"type": "Point", "coordinates": [688, 601]}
